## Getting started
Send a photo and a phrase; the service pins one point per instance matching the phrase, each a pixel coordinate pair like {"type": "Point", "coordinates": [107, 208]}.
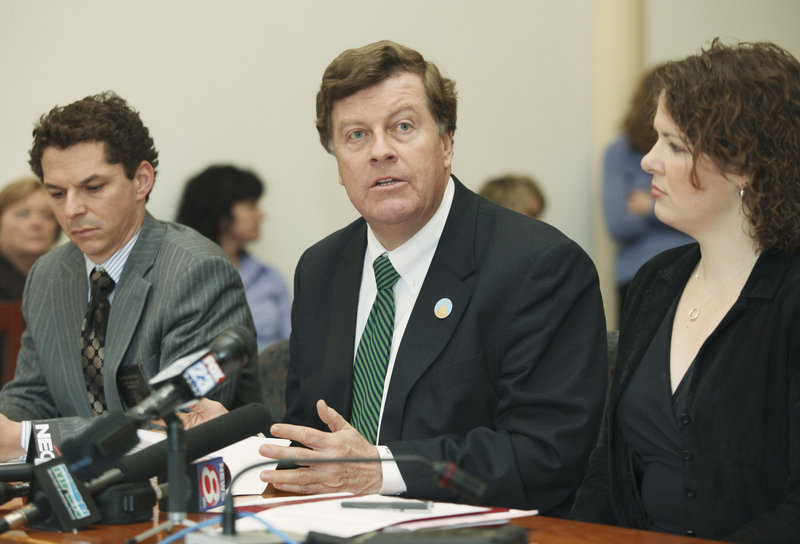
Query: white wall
{"type": "Point", "coordinates": [678, 28]}
{"type": "Point", "coordinates": [236, 81]}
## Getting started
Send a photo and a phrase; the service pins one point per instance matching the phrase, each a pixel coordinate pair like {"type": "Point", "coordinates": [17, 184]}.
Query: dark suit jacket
{"type": "Point", "coordinates": [509, 386]}
{"type": "Point", "coordinates": [177, 292]}
{"type": "Point", "coordinates": [742, 421]}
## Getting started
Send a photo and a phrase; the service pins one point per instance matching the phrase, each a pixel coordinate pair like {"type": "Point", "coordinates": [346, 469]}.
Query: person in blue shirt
{"type": "Point", "coordinates": [221, 203]}
{"type": "Point", "coordinates": [627, 202]}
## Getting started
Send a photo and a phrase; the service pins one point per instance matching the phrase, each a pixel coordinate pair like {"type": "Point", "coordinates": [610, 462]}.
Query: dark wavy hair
{"type": "Point", "coordinates": [740, 105]}
{"type": "Point", "coordinates": [104, 117]}
{"type": "Point", "coordinates": [208, 197]}
{"type": "Point", "coordinates": [357, 69]}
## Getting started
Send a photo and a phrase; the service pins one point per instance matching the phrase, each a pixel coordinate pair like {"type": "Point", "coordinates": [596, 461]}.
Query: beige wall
{"type": "Point", "coordinates": [616, 66]}
{"type": "Point", "coordinates": [542, 84]}
{"type": "Point", "coordinates": [236, 81]}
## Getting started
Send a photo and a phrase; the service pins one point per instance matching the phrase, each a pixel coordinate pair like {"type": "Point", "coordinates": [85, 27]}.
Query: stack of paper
{"type": "Point", "coordinates": [331, 518]}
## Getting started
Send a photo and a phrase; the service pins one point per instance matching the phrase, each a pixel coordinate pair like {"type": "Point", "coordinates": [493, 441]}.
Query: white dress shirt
{"type": "Point", "coordinates": [411, 261]}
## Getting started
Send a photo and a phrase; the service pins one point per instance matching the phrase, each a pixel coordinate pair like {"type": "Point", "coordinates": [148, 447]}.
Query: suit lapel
{"type": "Point", "coordinates": [336, 378]}
{"type": "Point", "coordinates": [426, 335]}
{"type": "Point", "coordinates": [69, 294]}
{"type": "Point", "coordinates": [128, 305]}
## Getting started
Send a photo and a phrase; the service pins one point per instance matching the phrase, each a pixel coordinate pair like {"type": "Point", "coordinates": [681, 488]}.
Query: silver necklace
{"type": "Point", "coordinates": [694, 313]}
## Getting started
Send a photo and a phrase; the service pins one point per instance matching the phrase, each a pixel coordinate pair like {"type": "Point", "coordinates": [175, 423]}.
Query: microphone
{"type": "Point", "coordinates": [208, 437]}
{"type": "Point", "coordinates": [190, 377]}
{"type": "Point", "coordinates": [195, 375]}
{"type": "Point", "coordinates": [133, 502]}
{"type": "Point", "coordinates": [453, 478]}
{"type": "Point", "coordinates": [201, 440]}
{"type": "Point", "coordinates": [12, 491]}
{"type": "Point", "coordinates": [16, 472]}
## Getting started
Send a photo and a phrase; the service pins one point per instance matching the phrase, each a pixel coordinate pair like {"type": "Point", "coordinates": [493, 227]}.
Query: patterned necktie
{"type": "Point", "coordinates": [372, 356]}
{"type": "Point", "coordinates": [93, 338]}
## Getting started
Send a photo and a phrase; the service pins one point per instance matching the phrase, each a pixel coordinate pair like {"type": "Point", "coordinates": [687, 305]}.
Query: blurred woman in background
{"type": "Point", "coordinates": [221, 203]}
{"type": "Point", "coordinates": [27, 230]}
{"type": "Point", "coordinates": [627, 202]}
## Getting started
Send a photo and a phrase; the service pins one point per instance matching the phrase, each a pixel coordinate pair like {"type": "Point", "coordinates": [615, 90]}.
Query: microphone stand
{"type": "Point", "coordinates": [176, 480]}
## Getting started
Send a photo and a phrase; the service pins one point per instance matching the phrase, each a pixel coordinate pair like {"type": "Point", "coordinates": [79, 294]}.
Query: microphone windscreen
{"type": "Point", "coordinates": [16, 472]}
{"type": "Point", "coordinates": [234, 347]}
{"type": "Point", "coordinates": [201, 440]}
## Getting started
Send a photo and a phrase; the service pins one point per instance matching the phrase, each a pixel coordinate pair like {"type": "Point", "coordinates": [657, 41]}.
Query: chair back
{"type": "Point", "coordinates": [11, 327]}
{"type": "Point", "coordinates": [273, 362]}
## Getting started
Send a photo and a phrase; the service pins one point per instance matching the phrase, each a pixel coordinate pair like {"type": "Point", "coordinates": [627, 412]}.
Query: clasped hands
{"type": "Point", "coordinates": [342, 441]}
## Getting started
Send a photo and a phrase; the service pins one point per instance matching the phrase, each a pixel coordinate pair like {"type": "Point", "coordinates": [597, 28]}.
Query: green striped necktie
{"type": "Point", "coordinates": [372, 356]}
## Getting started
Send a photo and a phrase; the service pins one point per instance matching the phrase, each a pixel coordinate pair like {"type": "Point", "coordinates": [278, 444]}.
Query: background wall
{"type": "Point", "coordinates": [236, 81]}
{"type": "Point", "coordinates": [678, 28]}
{"type": "Point", "coordinates": [541, 90]}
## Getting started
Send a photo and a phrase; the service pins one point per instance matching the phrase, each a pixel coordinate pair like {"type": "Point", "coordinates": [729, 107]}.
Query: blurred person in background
{"type": "Point", "coordinates": [516, 192]}
{"type": "Point", "coordinates": [221, 203]}
{"type": "Point", "coordinates": [627, 202]}
{"type": "Point", "coordinates": [28, 230]}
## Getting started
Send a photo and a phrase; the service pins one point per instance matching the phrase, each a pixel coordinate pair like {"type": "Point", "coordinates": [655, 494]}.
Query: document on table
{"type": "Point", "coordinates": [237, 457]}
{"type": "Point", "coordinates": [243, 454]}
{"type": "Point", "coordinates": [329, 517]}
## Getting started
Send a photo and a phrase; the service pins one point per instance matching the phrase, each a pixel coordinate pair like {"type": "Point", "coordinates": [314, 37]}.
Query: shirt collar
{"type": "Point", "coordinates": [114, 264]}
{"type": "Point", "coordinates": [412, 259]}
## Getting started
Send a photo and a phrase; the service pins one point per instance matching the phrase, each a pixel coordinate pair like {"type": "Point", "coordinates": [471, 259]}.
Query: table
{"type": "Point", "coordinates": [541, 530]}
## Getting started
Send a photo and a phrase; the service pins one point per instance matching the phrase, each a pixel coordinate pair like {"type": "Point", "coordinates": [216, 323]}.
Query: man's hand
{"type": "Point", "coordinates": [10, 447]}
{"type": "Point", "coordinates": [639, 203]}
{"type": "Point", "coordinates": [342, 441]}
{"type": "Point", "coordinates": [201, 411]}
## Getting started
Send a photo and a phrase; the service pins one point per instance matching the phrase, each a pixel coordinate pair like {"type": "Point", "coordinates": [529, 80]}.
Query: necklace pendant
{"type": "Point", "coordinates": [694, 313]}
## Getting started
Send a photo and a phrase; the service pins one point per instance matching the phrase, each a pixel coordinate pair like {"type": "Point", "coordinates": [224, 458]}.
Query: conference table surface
{"type": "Point", "coordinates": [541, 530]}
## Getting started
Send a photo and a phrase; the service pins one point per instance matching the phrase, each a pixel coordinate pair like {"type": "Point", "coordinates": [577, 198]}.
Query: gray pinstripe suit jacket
{"type": "Point", "coordinates": [176, 293]}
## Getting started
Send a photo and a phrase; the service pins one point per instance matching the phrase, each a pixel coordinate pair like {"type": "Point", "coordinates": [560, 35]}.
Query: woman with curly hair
{"type": "Point", "coordinates": [702, 428]}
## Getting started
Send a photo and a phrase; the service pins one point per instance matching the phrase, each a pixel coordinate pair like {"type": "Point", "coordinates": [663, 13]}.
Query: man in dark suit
{"type": "Point", "coordinates": [497, 353]}
{"type": "Point", "coordinates": [173, 291]}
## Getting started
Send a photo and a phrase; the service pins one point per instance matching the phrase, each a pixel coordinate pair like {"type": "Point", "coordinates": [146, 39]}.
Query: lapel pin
{"type": "Point", "coordinates": [443, 308]}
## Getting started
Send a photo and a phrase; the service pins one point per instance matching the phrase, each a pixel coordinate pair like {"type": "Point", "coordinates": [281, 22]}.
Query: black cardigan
{"type": "Point", "coordinates": [742, 421]}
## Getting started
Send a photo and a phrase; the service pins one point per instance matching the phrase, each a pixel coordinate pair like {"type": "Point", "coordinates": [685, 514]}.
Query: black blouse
{"type": "Point", "coordinates": [648, 415]}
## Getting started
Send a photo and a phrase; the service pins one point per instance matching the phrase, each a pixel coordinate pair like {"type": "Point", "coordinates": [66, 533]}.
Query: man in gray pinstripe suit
{"type": "Point", "coordinates": [175, 291]}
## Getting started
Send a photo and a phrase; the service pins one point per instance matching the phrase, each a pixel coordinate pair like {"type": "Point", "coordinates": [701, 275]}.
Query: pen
{"type": "Point", "coordinates": [388, 505]}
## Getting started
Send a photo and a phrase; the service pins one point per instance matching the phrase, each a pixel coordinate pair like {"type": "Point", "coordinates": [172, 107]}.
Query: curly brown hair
{"type": "Point", "coordinates": [357, 69]}
{"type": "Point", "coordinates": [104, 117]}
{"type": "Point", "coordinates": [740, 105]}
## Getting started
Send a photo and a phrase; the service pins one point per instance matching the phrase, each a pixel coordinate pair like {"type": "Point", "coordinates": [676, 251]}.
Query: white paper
{"type": "Point", "coordinates": [476, 520]}
{"type": "Point", "coordinates": [258, 500]}
{"type": "Point", "coordinates": [243, 454]}
{"type": "Point", "coordinates": [330, 518]}
{"type": "Point", "coordinates": [237, 456]}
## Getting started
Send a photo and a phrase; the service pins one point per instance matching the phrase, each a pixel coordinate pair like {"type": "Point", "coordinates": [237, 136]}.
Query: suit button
{"type": "Point", "coordinates": [685, 419]}
{"type": "Point", "coordinates": [691, 492]}
{"type": "Point", "coordinates": [687, 455]}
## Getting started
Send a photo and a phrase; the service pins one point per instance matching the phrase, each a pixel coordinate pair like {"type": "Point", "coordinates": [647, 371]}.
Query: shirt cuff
{"type": "Point", "coordinates": [24, 438]}
{"type": "Point", "coordinates": [393, 483]}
